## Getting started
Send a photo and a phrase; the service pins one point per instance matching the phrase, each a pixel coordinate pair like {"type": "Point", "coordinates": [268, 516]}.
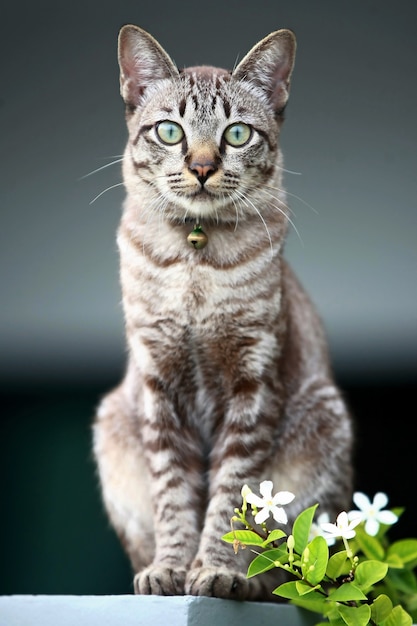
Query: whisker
{"type": "Point", "coordinates": [236, 210]}
{"type": "Point", "coordinates": [276, 206]}
{"type": "Point", "coordinates": [105, 191]}
{"type": "Point", "coordinates": [103, 167]}
{"type": "Point", "coordinates": [293, 195]}
{"type": "Point", "coordinates": [283, 169]}
{"type": "Point", "coordinates": [245, 199]}
{"type": "Point", "coordinates": [236, 62]}
{"type": "Point", "coordinates": [309, 206]}
{"type": "Point", "coordinates": [282, 203]}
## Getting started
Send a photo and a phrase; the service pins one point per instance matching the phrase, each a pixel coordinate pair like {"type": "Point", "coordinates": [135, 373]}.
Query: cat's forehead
{"type": "Point", "coordinates": [204, 82]}
{"type": "Point", "coordinates": [204, 93]}
{"type": "Point", "coordinates": [206, 74]}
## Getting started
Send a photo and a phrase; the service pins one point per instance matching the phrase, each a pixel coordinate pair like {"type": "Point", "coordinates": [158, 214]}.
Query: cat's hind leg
{"type": "Point", "coordinates": [123, 476]}
{"type": "Point", "coordinates": [127, 494]}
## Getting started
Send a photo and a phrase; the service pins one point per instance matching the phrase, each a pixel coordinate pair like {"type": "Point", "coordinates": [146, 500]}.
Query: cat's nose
{"type": "Point", "coordinates": [203, 170]}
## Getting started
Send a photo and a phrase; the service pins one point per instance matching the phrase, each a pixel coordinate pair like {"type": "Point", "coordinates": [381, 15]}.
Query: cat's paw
{"type": "Point", "coordinates": [217, 582]}
{"type": "Point", "coordinates": [160, 581]}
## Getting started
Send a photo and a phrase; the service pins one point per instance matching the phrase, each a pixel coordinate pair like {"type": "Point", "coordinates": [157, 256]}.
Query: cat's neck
{"type": "Point", "coordinates": [229, 243]}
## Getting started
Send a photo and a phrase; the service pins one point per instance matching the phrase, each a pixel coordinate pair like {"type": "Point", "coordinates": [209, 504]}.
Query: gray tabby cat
{"type": "Point", "coordinates": [228, 379]}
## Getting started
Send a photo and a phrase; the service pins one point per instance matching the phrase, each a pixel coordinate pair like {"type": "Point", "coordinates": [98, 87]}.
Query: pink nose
{"type": "Point", "coordinates": [203, 170]}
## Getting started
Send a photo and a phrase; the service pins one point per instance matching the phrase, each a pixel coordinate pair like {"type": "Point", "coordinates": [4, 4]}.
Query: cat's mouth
{"type": "Point", "coordinates": [203, 193]}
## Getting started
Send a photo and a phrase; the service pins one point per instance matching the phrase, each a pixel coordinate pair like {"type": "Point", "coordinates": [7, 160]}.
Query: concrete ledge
{"type": "Point", "coordinates": [145, 611]}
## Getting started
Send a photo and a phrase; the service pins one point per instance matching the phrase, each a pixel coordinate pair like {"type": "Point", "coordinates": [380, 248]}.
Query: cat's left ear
{"type": "Point", "coordinates": [269, 65]}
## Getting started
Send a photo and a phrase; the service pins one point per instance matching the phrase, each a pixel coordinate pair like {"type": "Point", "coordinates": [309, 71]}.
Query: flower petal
{"type": "Point", "coordinates": [386, 517]}
{"type": "Point", "coordinates": [283, 497]}
{"type": "Point", "coordinates": [342, 520]}
{"type": "Point", "coordinates": [252, 498]}
{"type": "Point", "coordinates": [355, 521]}
{"type": "Point", "coordinates": [353, 515]}
{"type": "Point", "coordinates": [330, 540]}
{"type": "Point", "coordinates": [262, 516]}
{"type": "Point", "coordinates": [380, 500]}
{"type": "Point", "coordinates": [279, 514]}
{"type": "Point", "coordinates": [371, 526]}
{"type": "Point", "coordinates": [362, 501]}
{"type": "Point", "coordinates": [266, 489]}
{"type": "Point", "coordinates": [331, 529]}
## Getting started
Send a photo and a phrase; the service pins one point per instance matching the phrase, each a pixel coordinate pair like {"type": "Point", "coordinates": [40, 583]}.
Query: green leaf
{"type": "Point", "coordinates": [333, 614]}
{"type": "Point", "coordinates": [355, 616]}
{"type": "Point", "coordinates": [403, 580]}
{"type": "Point", "coordinates": [313, 601]}
{"type": "Point", "coordinates": [248, 537]}
{"type": "Point", "coordinates": [338, 564]}
{"type": "Point", "coordinates": [346, 593]}
{"type": "Point", "coordinates": [370, 572]}
{"type": "Point", "coordinates": [370, 546]}
{"type": "Point", "coordinates": [405, 549]}
{"type": "Point", "coordinates": [394, 561]}
{"type": "Point", "coordinates": [302, 527]}
{"type": "Point", "coordinates": [229, 537]}
{"type": "Point", "coordinates": [267, 560]}
{"type": "Point", "coordinates": [381, 608]}
{"type": "Point", "coordinates": [398, 617]}
{"type": "Point", "coordinates": [274, 535]}
{"type": "Point", "coordinates": [297, 590]}
{"type": "Point", "coordinates": [287, 590]}
{"type": "Point", "coordinates": [314, 560]}
{"type": "Point", "coordinates": [304, 588]}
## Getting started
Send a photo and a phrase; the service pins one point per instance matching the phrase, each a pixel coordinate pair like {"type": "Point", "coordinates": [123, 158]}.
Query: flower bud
{"type": "Point", "coordinates": [245, 491]}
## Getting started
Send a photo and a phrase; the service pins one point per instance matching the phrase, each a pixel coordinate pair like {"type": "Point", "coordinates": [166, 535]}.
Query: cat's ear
{"type": "Point", "coordinates": [142, 61]}
{"type": "Point", "coordinates": [269, 65]}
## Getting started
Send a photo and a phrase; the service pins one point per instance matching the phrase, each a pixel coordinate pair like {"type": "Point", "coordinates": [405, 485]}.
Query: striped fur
{"type": "Point", "coordinates": [228, 379]}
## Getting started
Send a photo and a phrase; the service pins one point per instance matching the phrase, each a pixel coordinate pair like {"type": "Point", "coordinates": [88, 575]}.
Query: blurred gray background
{"type": "Point", "coordinates": [350, 135]}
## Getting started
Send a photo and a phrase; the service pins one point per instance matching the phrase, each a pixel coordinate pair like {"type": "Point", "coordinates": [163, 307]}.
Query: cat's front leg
{"type": "Point", "coordinates": [238, 457]}
{"type": "Point", "coordinates": [175, 468]}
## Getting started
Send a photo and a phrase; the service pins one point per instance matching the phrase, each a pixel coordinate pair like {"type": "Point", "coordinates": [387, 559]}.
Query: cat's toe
{"type": "Point", "coordinates": [161, 581]}
{"type": "Point", "coordinates": [217, 582]}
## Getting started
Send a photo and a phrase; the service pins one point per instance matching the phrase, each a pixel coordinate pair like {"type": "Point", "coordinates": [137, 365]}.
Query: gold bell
{"type": "Point", "coordinates": [197, 238]}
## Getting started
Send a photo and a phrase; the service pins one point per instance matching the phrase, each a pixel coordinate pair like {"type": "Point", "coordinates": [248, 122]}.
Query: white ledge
{"type": "Point", "coordinates": [130, 610]}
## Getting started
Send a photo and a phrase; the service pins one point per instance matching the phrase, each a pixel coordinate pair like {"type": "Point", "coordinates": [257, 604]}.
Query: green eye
{"type": "Point", "coordinates": [237, 134]}
{"type": "Point", "coordinates": [169, 132]}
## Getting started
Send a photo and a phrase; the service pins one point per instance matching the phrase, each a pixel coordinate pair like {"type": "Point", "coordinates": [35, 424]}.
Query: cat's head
{"type": "Point", "coordinates": [204, 140]}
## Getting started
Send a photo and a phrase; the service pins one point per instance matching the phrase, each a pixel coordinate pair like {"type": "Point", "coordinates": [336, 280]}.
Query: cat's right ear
{"type": "Point", "coordinates": [142, 61]}
{"type": "Point", "coordinates": [269, 66]}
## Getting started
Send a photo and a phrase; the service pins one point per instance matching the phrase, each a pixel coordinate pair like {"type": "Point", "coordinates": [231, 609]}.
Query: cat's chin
{"type": "Point", "coordinates": [202, 208]}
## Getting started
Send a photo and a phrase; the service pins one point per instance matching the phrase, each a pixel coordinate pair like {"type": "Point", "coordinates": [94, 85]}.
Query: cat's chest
{"type": "Point", "coordinates": [198, 296]}
{"type": "Point", "coordinates": [236, 276]}
{"type": "Point", "coordinates": [190, 322]}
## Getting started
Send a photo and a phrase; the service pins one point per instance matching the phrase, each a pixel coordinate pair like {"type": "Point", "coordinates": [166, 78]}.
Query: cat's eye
{"type": "Point", "coordinates": [237, 134]}
{"type": "Point", "coordinates": [169, 132]}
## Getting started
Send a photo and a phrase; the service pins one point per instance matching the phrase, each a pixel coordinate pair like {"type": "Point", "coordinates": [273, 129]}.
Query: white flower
{"type": "Point", "coordinates": [269, 504]}
{"type": "Point", "coordinates": [317, 531]}
{"type": "Point", "coordinates": [371, 513]}
{"type": "Point", "coordinates": [343, 527]}
{"type": "Point", "coordinates": [245, 491]}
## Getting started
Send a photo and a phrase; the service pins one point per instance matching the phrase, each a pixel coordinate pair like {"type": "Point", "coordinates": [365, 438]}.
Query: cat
{"type": "Point", "coordinates": [228, 378]}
